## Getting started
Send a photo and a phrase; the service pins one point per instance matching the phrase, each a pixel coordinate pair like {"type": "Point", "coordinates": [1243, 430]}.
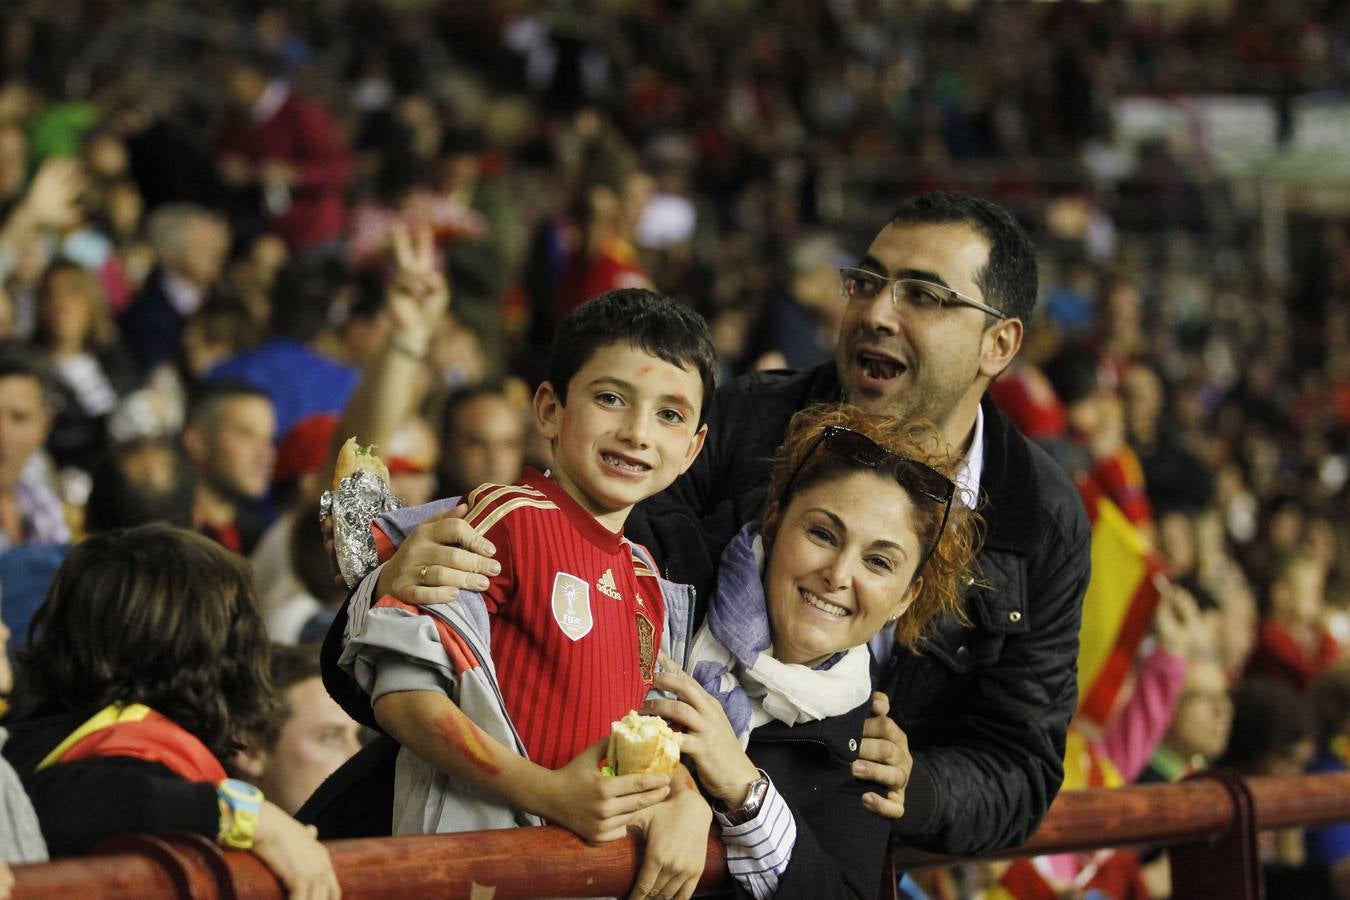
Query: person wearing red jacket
{"type": "Point", "coordinates": [286, 149]}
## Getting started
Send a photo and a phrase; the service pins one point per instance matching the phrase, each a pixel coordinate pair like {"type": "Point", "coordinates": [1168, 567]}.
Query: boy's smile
{"type": "Point", "coordinates": [627, 428]}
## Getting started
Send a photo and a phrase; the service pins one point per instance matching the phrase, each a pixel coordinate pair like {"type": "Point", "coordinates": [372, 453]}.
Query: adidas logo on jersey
{"type": "Point", "coordinates": [605, 585]}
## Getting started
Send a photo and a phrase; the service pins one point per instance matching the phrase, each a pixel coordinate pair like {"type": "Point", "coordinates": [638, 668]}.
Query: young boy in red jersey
{"type": "Point", "coordinates": [503, 700]}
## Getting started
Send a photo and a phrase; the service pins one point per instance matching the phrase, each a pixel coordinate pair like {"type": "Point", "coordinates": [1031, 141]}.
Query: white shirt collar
{"type": "Point", "coordinates": [272, 97]}
{"type": "Point", "coordinates": [968, 478]}
{"type": "Point", "coordinates": [184, 296]}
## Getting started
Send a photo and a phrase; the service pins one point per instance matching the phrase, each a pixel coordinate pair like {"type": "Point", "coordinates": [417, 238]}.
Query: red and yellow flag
{"type": "Point", "coordinates": [1127, 575]}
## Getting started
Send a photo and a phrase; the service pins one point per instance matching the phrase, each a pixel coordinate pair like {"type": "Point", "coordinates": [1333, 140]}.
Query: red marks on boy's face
{"type": "Point", "coordinates": [459, 732]}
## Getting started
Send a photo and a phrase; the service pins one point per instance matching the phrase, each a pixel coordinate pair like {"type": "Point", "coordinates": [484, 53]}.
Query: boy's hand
{"type": "Point", "coordinates": [884, 757]}
{"type": "Point", "coordinates": [677, 845]}
{"type": "Point", "coordinates": [599, 807]}
{"type": "Point", "coordinates": [442, 555]}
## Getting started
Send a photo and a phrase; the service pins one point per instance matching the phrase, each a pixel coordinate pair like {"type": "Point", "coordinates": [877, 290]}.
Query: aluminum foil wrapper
{"type": "Point", "coordinates": [359, 498]}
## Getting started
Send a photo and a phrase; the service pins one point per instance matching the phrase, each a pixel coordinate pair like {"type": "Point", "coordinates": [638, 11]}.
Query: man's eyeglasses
{"type": "Point", "coordinates": [912, 475]}
{"type": "Point", "coordinates": [860, 284]}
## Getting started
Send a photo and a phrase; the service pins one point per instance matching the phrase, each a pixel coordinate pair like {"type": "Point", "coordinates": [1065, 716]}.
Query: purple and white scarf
{"type": "Point", "coordinates": [732, 654]}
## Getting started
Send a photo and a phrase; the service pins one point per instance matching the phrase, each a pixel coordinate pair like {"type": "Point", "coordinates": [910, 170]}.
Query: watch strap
{"type": "Point", "coordinates": [754, 800]}
{"type": "Point", "coordinates": [240, 805]}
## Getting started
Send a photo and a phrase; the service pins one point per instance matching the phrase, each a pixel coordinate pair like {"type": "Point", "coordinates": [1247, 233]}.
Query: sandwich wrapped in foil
{"type": "Point", "coordinates": [359, 498]}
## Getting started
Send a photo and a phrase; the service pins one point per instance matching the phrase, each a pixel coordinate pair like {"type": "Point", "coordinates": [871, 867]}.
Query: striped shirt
{"type": "Point", "coordinates": [576, 616]}
{"type": "Point", "coordinates": [758, 851]}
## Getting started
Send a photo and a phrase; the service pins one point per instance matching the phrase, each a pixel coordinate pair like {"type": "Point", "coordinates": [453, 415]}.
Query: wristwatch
{"type": "Point", "coordinates": [754, 799]}
{"type": "Point", "coordinates": [240, 803]}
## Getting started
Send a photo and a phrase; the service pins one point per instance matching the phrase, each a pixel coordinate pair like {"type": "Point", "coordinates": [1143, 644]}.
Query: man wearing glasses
{"type": "Point", "coordinates": [934, 311]}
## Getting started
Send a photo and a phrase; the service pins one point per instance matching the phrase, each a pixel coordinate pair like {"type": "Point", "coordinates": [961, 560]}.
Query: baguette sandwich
{"type": "Point", "coordinates": [643, 745]}
{"type": "Point", "coordinates": [353, 458]}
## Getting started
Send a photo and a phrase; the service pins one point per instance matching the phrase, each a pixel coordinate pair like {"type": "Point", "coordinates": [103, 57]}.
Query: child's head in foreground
{"type": "Point", "coordinates": [629, 385]}
{"type": "Point", "coordinates": [160, 616]}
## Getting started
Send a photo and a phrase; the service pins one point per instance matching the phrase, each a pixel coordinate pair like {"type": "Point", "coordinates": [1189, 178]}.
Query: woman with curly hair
{"type": "Point", "coordinates": [860, 538]}
{"type": "Point", "coordinates": [146, 667]}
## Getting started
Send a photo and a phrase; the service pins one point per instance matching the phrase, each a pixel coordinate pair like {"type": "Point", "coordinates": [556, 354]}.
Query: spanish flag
{"type": "Point", "coordinates": [1127, 579]}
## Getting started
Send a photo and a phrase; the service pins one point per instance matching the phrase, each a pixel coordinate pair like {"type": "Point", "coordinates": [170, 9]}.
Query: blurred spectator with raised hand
{"type": "Point", "coordinates": [1294, 645]}
{"type": "Point", "coordinates": [314, 738]}
{"type": "Point", "coordinates": [283, 154]}
{"type": "Point", "coordinates": [292, 569]}
{"type": "Point", "coordinates": [1197, 721]}
{"type": "Point", "coordinates": [26, 235]}
{"type": "Point", "coordinates": [76, 334]}
{"type": "Point", "coordinates": [229, 439]}
{"type": "Point", "coordinates": [392, 384]}
{"type": "Point", "coordinates": [190, 245]}
{"type": "Point", "coordinates": [1094, 449]}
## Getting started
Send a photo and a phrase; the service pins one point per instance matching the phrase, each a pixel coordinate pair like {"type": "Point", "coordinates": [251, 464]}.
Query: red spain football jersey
{"type": "Point", "coordinates": [576, 616]}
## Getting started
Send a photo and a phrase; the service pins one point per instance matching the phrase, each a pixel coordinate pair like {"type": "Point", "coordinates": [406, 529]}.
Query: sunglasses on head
{"type": "Point", "coordinates": [912, 475]}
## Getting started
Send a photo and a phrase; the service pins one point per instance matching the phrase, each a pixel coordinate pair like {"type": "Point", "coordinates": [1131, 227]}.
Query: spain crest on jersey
{"type": "Point", "coordinates": [572, 605]}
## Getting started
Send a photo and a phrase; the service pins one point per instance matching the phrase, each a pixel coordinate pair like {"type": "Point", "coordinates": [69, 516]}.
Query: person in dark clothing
{"type": "Point", "coordinates": [147, 667]}
{"type": "Point", "coordinates": [229, 440]}
{"type": "Point", "coordinates": [190, 245]}
{"type": "Point", "coordinates": [933, 313]}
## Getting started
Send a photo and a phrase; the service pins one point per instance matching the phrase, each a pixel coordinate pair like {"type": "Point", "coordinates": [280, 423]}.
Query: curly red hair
{"type": "Point", "coordinates": [949, 567]}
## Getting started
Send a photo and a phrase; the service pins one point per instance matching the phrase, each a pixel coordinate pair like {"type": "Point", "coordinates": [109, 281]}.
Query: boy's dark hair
{"type": "Point", "coordinates": [160, 616]}
{"type": "Point", "coordinates": [651, 322]}
{"type": "Point", "coordinates": [207, 398]}
{"type": "Point", "coordinates": [1008, 280]}
{"type": "Point", "coordinates": [125, 495]}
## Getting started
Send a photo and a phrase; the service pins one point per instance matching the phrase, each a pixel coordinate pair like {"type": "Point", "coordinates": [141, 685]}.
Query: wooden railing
{"type": "Point", "coordinates": [1209, 823]}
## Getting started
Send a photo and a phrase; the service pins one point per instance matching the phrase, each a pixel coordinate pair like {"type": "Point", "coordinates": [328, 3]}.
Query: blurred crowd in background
{"type": "Point", "coordinates": [196, 202]}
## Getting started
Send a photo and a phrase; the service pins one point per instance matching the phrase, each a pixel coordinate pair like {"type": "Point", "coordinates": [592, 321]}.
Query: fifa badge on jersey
{"type": "Point", "coordinates": [646, 635]}
{"type": "Point", "coordinates": [572, 605]}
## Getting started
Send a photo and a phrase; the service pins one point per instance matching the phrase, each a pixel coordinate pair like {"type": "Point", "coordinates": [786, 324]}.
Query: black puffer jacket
{"type": "Point", "coordinates": [986, 708]}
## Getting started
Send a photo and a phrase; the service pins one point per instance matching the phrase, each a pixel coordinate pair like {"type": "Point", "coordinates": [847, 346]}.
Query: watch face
{"type": "Point", "coordinates": [753, 801]}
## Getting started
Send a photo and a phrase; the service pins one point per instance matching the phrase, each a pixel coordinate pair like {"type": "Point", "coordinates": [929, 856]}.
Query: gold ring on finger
{"type": "Point", "coordinates": [422, 574]}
